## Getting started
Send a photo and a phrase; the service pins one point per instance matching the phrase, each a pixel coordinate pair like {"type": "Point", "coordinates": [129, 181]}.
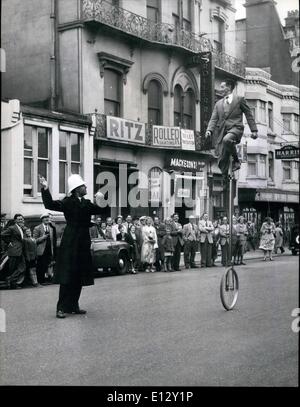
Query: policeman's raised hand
{"type": "Point", "coordinates": [43, 182]}
{"type": "Point", "coordinates": [99, 199]}
{"type": "Point", "coordinates": [254, 135]}
{"type": "Point", "coordinates": [208, 134]}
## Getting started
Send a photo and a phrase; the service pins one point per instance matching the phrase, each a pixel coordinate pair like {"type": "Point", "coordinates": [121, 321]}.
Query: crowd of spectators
{"type": "Point", "coordinates": [155, 245]}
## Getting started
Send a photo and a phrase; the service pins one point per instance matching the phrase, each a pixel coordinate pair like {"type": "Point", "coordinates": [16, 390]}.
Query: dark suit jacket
{"type": "Point", "coordinates": [13, 237]}
{"type": "Point", "coordinates": [127, 238]}
{"type": "Point", "coordinates": [222, 122]}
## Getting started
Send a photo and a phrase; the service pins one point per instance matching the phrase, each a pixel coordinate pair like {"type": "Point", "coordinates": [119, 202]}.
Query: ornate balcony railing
{"type": "Point", "coordinates": [133, 24]}
{"type": "Point", "coordinates": [101, 133]}
{"type": "Point", "coordinates": [229, 63]}
{"type": "Point", "coordinates": [141, 27]}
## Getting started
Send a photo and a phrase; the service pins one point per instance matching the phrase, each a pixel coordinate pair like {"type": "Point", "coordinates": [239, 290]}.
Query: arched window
{"type": "Point", "coordinates": [112, 93]}
{"type": "Point", "coordinates": [184, 108]}
{"type": "Point", "coordinates": [178, 93]}
{"type": "Point", "coordinates": [154, 103]}
{"type": "Point", "coordinates": [189, 110]}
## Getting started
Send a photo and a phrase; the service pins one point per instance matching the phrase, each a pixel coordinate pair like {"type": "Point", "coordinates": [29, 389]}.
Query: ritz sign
{"type": "Point", "coordinates": [125, 130]}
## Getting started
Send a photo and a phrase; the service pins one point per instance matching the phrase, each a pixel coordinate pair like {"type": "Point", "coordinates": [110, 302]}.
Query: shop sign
{"type": "Point", "coordinates": [167, 137]}
{"type": "Point", "coordinates": [183, 193]}
{"type": "Point", "coordinates": [178, 163]}
{"type": "Point", "coordinates": [187, 139]}
{"type": "Point", "coordinates": [287, 152]}
{"type": "Point", "coordinates": [204, 62]}
{"type": "Point", "coordinates": [125, 130]}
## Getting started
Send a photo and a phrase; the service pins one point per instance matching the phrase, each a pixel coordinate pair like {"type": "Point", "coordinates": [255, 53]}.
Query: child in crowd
{"type": "Point", "coordinates": [30, 254]}
{"type": "Point", "coordinates": [168, 250]}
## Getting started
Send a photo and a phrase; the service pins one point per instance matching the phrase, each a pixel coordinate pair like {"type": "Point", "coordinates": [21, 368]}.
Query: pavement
{"type": "Point", "coordinates": [249, 255]}
{"type": "Point", "coordinates": [158, 329]}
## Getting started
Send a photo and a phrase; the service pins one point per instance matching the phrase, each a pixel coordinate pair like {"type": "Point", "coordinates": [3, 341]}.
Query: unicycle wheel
{"type": "Point", "coordinates": [229, 288]}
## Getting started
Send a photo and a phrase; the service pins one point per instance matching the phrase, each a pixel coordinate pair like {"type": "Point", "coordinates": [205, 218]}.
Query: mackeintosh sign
{"type": "Point", "coordinates": [287, 152]}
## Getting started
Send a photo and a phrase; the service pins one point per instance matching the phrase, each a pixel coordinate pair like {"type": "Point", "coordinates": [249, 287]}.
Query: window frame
{"type": "Point", "coordinates": [252, 159]}
{"type": "Point", "coordinates": [182, 112]}
{"type": "Point", "coordinates": [262, 111]}
{"type": "Point", "coordinates": [119, 102]}
{"type": "Point", "coordinates": [35, 158]}
{"type": "Point", "coordinates": [287, 165]}
{"type": "Point", "coordinates": [159, 107]}
{"type": "Point", "coordinates": [271, 116]}
{"type": "Point", "coordinates": [68, 160]}
{"type": "Point", "coordinates": [288, 129]}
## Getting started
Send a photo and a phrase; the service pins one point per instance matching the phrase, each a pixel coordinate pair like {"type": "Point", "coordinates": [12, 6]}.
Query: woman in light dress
{"type": "Point", "coordinates": [149, 245]}
{"type": "Point", "coordinates": [267, 240]}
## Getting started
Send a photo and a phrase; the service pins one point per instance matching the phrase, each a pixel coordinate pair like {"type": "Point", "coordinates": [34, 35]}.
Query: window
{"type": "Point", "coordinates": [286, 119]}
{"type": "Point", "coordinates": [154, 103]}
{"type": "Point", "coordinates": [112, 91]}
{"type": "Point", "coordinates": [177, 105]}
{"type": "Point", "coordinates": [153, 10]}
{"type": "Point", "coordinates": [188, 110]}
{"type": "Point", "coordinates": [70, 154]}
{"type": "Point", "coordinates": [182, 14]}
{"type": "Point", "coordinates": [270, 115]}
{"type": "Point", "coordinates": [287, 170]}
{"type": "Point", "coordinates": [296, 121]}
{"type": "Point", "coordinates": [186, 15]}
{"type": "Point", "coordinates": [262, 111]}
{"type": "Point", "coordinates": [271, 166]}
{"type": "Point", "coordinates": [36, 158]}
{"type": "Point", "coordinates": [252, 165]}
{"type": "Point", "coordinates": [220, 35]}
{"type": "Point", "coordinates": [262, 165]}
{"type": "Point", "coordinates": [184, 108]}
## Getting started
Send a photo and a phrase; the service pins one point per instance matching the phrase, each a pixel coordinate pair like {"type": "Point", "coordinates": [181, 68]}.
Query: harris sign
{"type": "Point", "coordinates": [288, 152]}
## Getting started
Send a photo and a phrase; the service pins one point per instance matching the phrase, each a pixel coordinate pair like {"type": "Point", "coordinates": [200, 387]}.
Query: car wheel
{"type": "Point", "coordinates": [122, 267]}
{"type": "Point", "coordinates": [294, 252]}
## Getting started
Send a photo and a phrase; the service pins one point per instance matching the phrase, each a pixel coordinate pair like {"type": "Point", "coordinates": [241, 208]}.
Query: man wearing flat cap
{"type": "Point", "coordinates": [46, 243]}
{"type": "Point", "coordinates": [74, 267]}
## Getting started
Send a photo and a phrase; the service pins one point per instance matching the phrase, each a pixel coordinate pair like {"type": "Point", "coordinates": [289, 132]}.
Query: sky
{"type": "Point", "coordinates": [283, 6]}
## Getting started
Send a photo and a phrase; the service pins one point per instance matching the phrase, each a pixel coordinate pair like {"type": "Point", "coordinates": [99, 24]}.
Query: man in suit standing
{"type": "Point", "coordinates": [95, 231]}
{"type": "Point", "coordinates": [190, 238]}
{"type": "Point", "coordinates": [227, 121]}
{"type": "Point", "coordinates": [14, 236]}
{"type": "Point", "coordinates": [177, 241]}
{"type": "Point", "coordinates": [43, 234]}
{"type": "Point", "coordinates": [206, 241]}
{"type": "Point", "coordinates": [225, 242]}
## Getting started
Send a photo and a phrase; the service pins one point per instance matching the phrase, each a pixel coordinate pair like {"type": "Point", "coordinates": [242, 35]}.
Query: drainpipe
{"type": "Point", "coordinates": [53, 55]}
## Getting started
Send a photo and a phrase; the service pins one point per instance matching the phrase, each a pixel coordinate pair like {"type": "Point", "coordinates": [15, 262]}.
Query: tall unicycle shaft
{"type": "Point", "coordinates": [229, 287]}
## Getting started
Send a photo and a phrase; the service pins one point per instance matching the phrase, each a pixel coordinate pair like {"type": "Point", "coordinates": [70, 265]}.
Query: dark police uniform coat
{"type": "Point", "coordinates": [74, 261]}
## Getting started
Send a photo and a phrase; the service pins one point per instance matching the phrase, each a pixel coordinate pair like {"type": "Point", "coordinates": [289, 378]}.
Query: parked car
{"type": "Point", "coordinates": [109, 255]}
{"type": "Point", "coordinates": [294, 240]}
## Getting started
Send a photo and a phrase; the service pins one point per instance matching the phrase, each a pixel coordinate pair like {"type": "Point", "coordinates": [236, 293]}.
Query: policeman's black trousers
{"type": "Point", "coordinates": [68, 299]}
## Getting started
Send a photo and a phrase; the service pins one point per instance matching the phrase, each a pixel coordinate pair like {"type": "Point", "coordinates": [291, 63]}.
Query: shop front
{"type": "Point", "coordinates": [280, 205]}
{"type": "Point", "coordinates": [189, 192]}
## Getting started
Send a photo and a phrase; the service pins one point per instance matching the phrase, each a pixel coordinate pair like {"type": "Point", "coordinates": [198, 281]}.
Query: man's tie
{"type": "Point", "coordinates": [227, 100]}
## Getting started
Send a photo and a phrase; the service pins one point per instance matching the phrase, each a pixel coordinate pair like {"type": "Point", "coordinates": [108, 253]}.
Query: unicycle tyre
{"type": "Point", "coordinates": [229, 288]}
